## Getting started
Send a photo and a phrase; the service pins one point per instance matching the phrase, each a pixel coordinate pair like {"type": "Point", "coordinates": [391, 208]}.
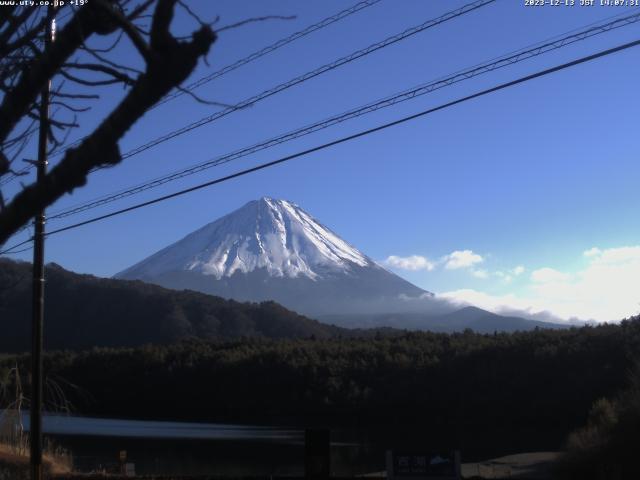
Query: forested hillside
{"type": "Point", "coordinates": [83, 311]}
{"type": "Point", "coordinates": [541, 381]}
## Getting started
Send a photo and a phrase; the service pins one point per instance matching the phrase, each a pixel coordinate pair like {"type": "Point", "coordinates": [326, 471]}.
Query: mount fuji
{"type": "Point", "coordinates": [274, 250]}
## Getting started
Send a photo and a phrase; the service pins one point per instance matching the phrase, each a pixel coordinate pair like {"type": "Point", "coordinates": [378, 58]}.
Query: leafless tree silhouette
{"type": "Point", "coordinates": [85, 56]}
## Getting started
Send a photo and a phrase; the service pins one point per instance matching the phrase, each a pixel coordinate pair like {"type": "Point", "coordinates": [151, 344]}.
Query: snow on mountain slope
{"type": "Point", "coordinates": [275, 235]}
{"type": "Point", "coordinates": [273, 250]}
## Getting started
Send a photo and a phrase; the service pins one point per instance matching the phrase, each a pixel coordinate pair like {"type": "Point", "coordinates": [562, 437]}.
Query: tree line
{"type": "Point", "coordinates": [543, 381]}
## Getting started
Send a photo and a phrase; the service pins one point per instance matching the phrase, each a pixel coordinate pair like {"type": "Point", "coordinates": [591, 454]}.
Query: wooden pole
{"type": "Point", "coordinates": [35, 428]}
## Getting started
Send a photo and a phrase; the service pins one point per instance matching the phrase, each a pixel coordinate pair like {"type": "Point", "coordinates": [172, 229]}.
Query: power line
{"type": "Point", "coordinates": [406, 95]}
{"type": "Point", "coordinates": [22, 250]}
{"type": "Point", "coordinates": [231, 67]}
{"type": "Point", "coordinates": [566, 41]}
{"type": "Point", "coordinates": [250, 58]}
{"type": "Point", "coordinates": [266, 50]}
{"type": "Point", "coordinates": [9, 251]}
{"type": "Point", "coordinates": [307, 76]}
{"type": "Point", "coordinates": [363, 133]}
{"type": "Point", "coordinates": [311, 74]}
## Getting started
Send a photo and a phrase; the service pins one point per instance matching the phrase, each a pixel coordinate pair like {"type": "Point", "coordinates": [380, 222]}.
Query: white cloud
{"type": "Point", "coordinates": [413, 262]}
{"type": "Point", "coordinates": [509, 304]}
{"type": "Point", "coordinates": [548, 275]}
{"type": "Point", "coordinates": [461, 259]}
{"type": "Point", "coordinates": [519, 270]}
{"type": "Point", "coordinates": [455, 260]}
{"type": "Point", "coordinates": [507, 276]}
{"type": "Point", "coordinates": [480, 274]}
{"type": "Point", "coordinates": [616, 256]}
{"type": "Point", "coordinates": [592, 252]}
{"type": "Point", "coordinates": [607, 289]}
{"type": "Point", "coordinates": [493, 303]}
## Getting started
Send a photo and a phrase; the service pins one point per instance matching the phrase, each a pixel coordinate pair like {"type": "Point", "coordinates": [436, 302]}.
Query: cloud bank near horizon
{"type": "Point", "coordinates": [605, 290]}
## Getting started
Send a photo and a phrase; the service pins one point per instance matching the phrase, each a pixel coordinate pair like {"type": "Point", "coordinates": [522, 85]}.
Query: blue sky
{"type": "Point", "coordinates": [525, 180]}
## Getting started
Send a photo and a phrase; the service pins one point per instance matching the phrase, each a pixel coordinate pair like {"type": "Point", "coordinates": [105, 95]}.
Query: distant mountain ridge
{"type": "Point", "coordinates": [274, 250]}
{"type": "Point", "coordinates": [473, 318]}
{"type": "Point", "coordinates": [83, 311]}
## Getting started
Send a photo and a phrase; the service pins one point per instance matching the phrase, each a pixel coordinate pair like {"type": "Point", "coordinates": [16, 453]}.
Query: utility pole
{"type": "Point", "coordinates": [35, 429]}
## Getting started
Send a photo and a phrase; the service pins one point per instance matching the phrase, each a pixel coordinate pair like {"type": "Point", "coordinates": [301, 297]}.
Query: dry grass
{"type": "Point", "coordinates": [55, 461]}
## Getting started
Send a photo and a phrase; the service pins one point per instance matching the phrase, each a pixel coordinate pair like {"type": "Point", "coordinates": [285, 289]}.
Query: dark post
{"type": "Point", "coordinates": [123, 461]}
{"type": "Point", "coordinates": [35, 429]}
{"type": "Point", "coordinates": [317, 454]}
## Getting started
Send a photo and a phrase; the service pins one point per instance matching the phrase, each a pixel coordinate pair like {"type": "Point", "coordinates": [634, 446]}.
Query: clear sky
{"type": "Point", "coordinates": [525, 199]}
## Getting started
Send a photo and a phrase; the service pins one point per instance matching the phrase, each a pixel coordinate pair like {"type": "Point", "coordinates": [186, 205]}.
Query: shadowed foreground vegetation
{"type": "Point", "coordinates": [607, 447]}
{"type": "Point", "coordinates": [517, 391]}
{"type": "Point", "coordinates": [545, 379]}
{"type": "Point", "coordinates": [14, 466]}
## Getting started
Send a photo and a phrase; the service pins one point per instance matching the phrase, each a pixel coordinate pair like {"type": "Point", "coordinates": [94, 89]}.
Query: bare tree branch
{"type": "Point", "coordinates": [91, 96]}
{"type": "Point", "coordinates": [202, 100]}
{"type": "Point", "coordinates": [23, 95]}
{"type": "Point", "coordinates": [70, 107]}
{"type": "Point", "coordinates": [253, 20]}
{"type": "Point", "coordinates": [168, 63]}
{"type": "Point", "coordinates": [117, 77]}
{"type": "Point", "coordinates": [139, 10]}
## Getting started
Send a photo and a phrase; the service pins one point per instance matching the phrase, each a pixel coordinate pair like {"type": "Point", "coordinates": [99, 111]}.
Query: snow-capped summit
{"type": "Point", "coordinates": [273, 250]}
{"type": "Point", "coordinates": [276, 235]}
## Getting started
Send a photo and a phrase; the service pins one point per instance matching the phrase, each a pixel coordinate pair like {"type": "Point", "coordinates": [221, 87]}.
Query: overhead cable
{"type": "Point", "coordinates": [406, 95]}
{"type": "Point", "coordinates": [348, 138]}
